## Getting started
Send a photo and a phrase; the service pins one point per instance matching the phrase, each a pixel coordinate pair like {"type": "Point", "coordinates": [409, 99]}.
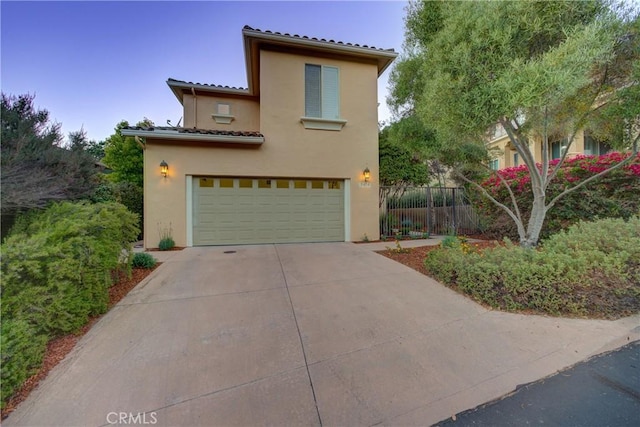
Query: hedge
{"type": "Point", "coordinates": [57, 268]}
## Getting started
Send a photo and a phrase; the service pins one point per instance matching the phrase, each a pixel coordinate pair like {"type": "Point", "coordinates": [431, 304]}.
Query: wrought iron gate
{"type": "Point", "coordinates": [417, 211]}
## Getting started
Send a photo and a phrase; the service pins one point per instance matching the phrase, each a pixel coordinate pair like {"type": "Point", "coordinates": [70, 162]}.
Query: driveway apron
{"type": "Point", "coordinates": [301, 334]}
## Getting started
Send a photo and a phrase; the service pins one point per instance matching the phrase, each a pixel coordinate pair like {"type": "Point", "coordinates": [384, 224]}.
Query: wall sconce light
{"type": "Point", "coordinates": [367, 174]}
{"type": "Point", "coordinates": [164, 169]}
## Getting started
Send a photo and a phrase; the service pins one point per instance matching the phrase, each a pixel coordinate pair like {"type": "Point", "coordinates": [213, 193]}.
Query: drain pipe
{"type": "Point", "coordinates": [195, 108]}
{"type": "Point", "coordinates": [139, 141]}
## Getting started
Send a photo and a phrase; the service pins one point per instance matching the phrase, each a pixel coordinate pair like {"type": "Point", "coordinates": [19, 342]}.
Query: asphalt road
{"type": "Point", "coordinates": [602, 391]}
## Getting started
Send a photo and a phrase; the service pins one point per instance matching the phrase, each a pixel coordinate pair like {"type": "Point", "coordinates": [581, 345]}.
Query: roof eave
{"type": "Point", "coordinates": [227, 139]}
{"type": "Point", "coordinates": [177, 87]}
{"type": "Point", "coordinates": [384, 58]}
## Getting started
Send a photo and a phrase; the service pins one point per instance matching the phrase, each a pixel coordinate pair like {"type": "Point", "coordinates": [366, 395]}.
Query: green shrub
{"type": "Point", "coordinates": [590, 269]}
{"type": "Point", "coordinates": [56, 270]}
{"type": "Point", "coordinates": [166, 244]}
{"type": "Point", "coordinates": [143, 260]}
{"type": "Point", "coordinates": [22, 350]}
{"type": "Point", "coordinates": [166, 239]}
{"type": "Point", "coordinates": [126, 193]}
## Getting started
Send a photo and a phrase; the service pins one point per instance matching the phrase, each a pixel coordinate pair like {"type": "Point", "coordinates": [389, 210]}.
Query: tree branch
{"type": "Point", "coordinates": [509, 212]}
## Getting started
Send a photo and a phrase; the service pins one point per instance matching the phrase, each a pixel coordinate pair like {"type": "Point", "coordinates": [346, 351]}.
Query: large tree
{"type": "Point", "coordinates": [542, 70]}
{"type": "Point", "coordinates": [124, 156]}
{"type": "Point", "coordinates": [37, 165]}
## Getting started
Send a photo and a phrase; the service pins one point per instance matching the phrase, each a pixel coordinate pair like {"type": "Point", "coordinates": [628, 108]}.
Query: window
{"type": "Point", "coordinates": [494, 164]}
{"type": "Point", "coordinates": [206, 182]}
{"type": "Point", "coordinates": [558, 148]}
{"type": "Point", "coordinates": [321, 92]}
{"type": "Point", "coordinates": [516, 159]}
{"type": "Point", "coordinates": [593, 147]}
{"type": "Point", "coordinates": [226, 183]}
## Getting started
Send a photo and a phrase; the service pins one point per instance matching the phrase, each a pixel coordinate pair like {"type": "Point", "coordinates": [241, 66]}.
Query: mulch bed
{"type": "Point", "coordinates": [59, 347]}
{"type": "Point", "coordinates": [414, 257]}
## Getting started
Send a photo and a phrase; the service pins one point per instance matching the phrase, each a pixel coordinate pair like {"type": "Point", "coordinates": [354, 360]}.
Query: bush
{"type": "Point", "coordinates": [615, 195]}
{"type": "Point", "coordinates": [166, 239]}
{"type": "Point", "coordinates": [591, 269]}
{"type": "Point", "coordinates": [126, 193]}
{"type": "Point", "coordinates": [143, 260]}
{"type": "Point", "coordinates": [56, 270]}
{"type": "Point", "coordinates": [22, 352]}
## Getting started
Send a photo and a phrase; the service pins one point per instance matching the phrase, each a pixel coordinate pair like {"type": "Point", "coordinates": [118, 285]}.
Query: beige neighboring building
{"type": "Point", "coordinates": [283, 160]}
{"type": "Point", "coordinates": [505, 155]}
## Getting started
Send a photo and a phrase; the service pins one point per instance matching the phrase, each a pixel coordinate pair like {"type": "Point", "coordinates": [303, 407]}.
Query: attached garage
{"type": "Point", "coordinates": [241, 210]}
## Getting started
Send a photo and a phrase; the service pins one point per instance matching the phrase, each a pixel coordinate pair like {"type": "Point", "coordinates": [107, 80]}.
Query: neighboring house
{"type": "Point", "coordinates": [281, 161]}
{"type": "Point", "coordinates": [505, 155]}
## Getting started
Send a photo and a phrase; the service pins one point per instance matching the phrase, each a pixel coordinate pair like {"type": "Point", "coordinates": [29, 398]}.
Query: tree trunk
{"type": "Point", "coordinates": [534, 227]}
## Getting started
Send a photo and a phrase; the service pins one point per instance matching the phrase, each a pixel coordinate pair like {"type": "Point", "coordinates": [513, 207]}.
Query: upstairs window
{"type": "Point", "coordinates": [321, 91]}
{"type": "Point", "coordinates": [593, 147]}
{"type": "Point", "coordinates": [494, 164]}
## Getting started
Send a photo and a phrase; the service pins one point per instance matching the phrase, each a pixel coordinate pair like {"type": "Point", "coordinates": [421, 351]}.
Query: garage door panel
{"type": "Point", "coordinates": [266, 211]}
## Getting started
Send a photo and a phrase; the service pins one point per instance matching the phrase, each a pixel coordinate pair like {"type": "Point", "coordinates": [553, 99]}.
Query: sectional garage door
{"type": "Point", "coordinates": [248, 210]}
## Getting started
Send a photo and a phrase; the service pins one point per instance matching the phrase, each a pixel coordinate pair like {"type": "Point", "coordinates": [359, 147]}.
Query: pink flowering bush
{"type": "Point", "coordinates": [615, 195]}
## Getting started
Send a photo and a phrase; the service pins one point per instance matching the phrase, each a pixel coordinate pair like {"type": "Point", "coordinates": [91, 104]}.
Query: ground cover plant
{"type": "Point", "coordinates": [57, 268]}
{"type": "Point", "coordinates": [592, 269]}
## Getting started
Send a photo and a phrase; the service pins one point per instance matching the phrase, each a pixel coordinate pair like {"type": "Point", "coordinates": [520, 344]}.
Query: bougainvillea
{"type": "Point", "coordinates": [615, 195]}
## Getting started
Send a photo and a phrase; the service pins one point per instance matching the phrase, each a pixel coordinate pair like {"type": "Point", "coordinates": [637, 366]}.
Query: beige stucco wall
{"type": "Point", "coordinates": [198, 112]}
{"type": "Point", "coordinates": [289, 149]}
{"type": "Point", "coordinates": [506, 153]}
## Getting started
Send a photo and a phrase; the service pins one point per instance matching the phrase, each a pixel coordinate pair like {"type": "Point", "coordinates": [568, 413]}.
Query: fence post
{"type": "Point", "coordinates": [453, 202]}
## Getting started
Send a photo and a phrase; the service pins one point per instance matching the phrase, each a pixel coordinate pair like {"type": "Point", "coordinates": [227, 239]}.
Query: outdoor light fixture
{"type": "Point", "coordinates": [164, 169]}
{"type": "Point", "coordinates": [367, 174]}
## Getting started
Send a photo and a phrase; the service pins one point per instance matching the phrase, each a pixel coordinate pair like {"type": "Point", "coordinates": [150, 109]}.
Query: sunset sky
{"type": "Point", "coordinates": [92, 64]}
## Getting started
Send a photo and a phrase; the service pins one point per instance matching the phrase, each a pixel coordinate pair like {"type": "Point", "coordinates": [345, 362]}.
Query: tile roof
{"type": "Point", "coordinates": [206, 84]}
{"type": "Point", "coordinates": [182, 130]}
{"type": "Point", "coordinates": [296, 36]}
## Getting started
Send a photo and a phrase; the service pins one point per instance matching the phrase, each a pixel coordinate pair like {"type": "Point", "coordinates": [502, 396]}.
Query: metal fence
{"type": "Point", "coordinates": [417, 211]}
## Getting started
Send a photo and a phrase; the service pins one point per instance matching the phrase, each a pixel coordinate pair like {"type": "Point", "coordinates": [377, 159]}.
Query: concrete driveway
{"type": "Point", "coordinates": [301, 334]}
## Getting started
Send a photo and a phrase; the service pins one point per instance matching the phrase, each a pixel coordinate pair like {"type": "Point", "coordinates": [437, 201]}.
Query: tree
{"type": "Point", "coordinates": [36, 167]}
{"type": "Point", "coordinates": [401, 161]}
{"type": "Point", "coordinates": [542, 70]}
{"type": "Point", "coordinates": [96, 149]}
{"type": "Point", "coordinates": [124, 155]}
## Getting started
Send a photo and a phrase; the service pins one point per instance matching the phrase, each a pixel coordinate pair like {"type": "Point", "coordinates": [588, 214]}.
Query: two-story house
{"type": "Point", "coordinates": [291, 158]}
{"type": "Point", "coordinates": [505, 155]}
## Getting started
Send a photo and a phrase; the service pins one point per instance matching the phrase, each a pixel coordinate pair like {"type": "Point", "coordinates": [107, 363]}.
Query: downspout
{"type": "Point", "coordinates": [140, 143]}
{"type": "Point", "coordinates": [195, 108]}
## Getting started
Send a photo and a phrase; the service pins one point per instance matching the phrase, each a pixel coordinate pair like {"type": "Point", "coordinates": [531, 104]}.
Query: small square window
{"type": "Point", "coordinates": [334, 185]}
{"type": "Point", "coordinates": [317, 185]}
{"type": "Point", "coordinates": [206, 182]}
{"type": "Point", "coordinates": [300, 184]}
{"type": "Point", "coordinates": [264, 183]}
{"type": "Point", "coordinates": [246, 183]}
{"type": "Point", "coordinates": [282, 183]}
{"type": "Point", "coordinates": [226, 183]}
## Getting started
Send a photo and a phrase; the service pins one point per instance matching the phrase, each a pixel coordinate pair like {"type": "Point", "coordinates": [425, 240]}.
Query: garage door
{"type": "Point", "coordinates": [243, 210]}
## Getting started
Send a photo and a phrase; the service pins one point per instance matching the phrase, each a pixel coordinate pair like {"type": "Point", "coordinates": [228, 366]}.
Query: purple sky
{"type": "Point", "coordinates": [92, 64]}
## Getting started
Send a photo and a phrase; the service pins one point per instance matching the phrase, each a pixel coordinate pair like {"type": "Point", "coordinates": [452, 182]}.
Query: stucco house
{"type": "Point", "coordinates": [505, 155]}
{"type": "Point", "coordinates": [291, 158]}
